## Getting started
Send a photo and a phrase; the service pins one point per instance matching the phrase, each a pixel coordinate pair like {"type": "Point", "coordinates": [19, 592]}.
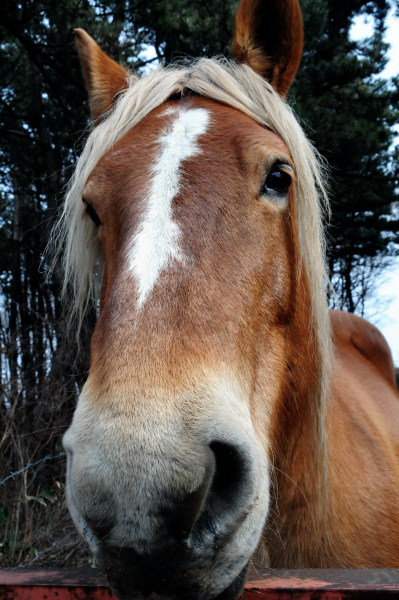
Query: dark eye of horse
{"type": "Point", "coordinates": [277, 181]}
{"type": "Point", "coordinates": [92, 214]}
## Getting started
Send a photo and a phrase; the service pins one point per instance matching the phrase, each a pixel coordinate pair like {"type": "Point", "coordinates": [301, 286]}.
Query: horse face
{"type": "Point", "coordinates": [168, 463]}
{"type": "Point", "coordinates": [169, 449]}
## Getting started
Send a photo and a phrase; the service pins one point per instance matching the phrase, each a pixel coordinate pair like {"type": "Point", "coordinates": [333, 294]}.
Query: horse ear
{"type": "Point", "coordinates": [268, 37]}
{"type": "Point", "coordinates": [104, 78]}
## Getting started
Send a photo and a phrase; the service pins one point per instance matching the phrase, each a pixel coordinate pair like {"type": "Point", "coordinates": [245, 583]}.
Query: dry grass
{"type": "Point", "coordinates": [35, 526]}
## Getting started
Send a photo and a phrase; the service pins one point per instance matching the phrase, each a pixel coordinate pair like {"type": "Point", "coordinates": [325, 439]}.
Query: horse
{"type": "Point", "coordinates": [229, 422]}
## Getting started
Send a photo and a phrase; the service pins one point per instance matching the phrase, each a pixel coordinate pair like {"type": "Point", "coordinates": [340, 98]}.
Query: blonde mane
{"type": "Point", "coordinates": [236, 85]}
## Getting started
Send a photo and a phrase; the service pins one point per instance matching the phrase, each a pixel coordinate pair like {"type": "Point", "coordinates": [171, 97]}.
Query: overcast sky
{"type": "Point", "coordinates": [383, 308]}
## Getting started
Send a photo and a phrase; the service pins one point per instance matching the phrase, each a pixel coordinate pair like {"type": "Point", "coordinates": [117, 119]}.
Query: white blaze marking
{"type": "Point", "coordinates": [156, 242]}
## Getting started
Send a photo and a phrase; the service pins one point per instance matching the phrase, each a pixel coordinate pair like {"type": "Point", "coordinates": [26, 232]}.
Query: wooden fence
{"type": "Point", "coordinates": [309, 584]}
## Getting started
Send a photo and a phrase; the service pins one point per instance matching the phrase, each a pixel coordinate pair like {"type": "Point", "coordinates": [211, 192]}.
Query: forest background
{"type": "Point", "coordinates": [346, 108]}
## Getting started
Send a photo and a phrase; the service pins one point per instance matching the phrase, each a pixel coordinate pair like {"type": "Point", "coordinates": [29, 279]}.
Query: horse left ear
{"type": "Point", "coordinates": [104, 78]}
{"type": "Point", "coordinates": [268, 37]}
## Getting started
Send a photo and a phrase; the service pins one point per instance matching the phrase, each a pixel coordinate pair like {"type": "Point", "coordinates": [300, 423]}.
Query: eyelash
{"type": "Point", "coordinates": [92, 214]}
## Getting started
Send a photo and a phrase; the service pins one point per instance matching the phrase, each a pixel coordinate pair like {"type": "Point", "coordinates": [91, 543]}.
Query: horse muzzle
{"type": "Point", "coordinates": [175, 515]}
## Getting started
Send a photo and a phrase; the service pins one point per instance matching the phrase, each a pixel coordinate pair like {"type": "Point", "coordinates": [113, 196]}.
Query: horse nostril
{"type": "Point", "coordinates": [229, 476]}
{"type": "Point", "coordinates": [230, 485]}
{"type": "Point", "coordinates": [182, 518]}
{"type": "Point", "coordinates": [216, 501]}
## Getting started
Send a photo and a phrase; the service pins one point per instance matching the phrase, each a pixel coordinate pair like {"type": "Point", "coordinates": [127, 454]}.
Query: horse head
{"type": "Point", "coordinates": [195, 203]}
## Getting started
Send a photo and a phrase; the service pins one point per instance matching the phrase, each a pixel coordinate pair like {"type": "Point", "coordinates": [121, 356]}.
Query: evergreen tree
{"type": "Point", "coordinates": [348, 113]}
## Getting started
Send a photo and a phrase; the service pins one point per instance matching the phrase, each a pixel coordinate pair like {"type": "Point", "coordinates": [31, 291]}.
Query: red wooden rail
{"type": "Point", "coordinates": [279, 584]}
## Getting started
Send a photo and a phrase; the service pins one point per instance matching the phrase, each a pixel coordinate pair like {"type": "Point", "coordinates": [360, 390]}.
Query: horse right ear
{"type": "Point", "coordinates": [104, 78]}
{"type": "Point", "coordinates": [268, 37]}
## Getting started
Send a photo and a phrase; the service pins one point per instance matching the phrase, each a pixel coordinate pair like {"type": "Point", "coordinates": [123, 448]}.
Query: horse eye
{"type": "Point", "coordinates": [92, 214]}
{"type": "Point", "coordinates": [278, 181]}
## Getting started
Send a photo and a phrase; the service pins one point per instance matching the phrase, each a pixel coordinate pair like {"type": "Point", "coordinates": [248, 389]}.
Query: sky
{"type": "Point", "coordinates": [383, 308]}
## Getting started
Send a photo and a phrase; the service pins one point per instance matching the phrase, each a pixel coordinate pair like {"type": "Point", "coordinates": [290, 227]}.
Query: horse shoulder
{"type": "Point", "coordinates": [364, 387]}
{"type": "Point", "coordinates": [353, 332]}
{"type": "Point", "coordinates": [363, 455]}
